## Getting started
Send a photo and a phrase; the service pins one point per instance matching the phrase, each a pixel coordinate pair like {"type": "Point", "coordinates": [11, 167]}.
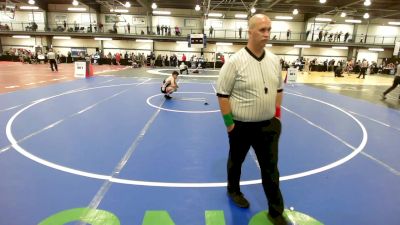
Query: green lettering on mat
{"type": "Point", "coordinates": [90, 216]}
{"type": "Point", "coordinates": [215, 217]}
{"type": "Point", "coordinates": [155, 217]}
{"type": "Point", "coordinates": [261, 218]}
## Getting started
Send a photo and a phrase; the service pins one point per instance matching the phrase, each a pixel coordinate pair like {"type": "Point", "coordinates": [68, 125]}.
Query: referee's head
{"type": "Point", "coordinates": [259, 30]}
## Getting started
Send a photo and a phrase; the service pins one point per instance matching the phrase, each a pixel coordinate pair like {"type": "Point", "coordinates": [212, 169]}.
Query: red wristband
{"type": "Point", "coordinates": [278, 112]}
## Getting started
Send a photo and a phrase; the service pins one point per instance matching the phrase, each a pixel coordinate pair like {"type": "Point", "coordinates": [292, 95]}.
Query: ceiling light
{"type": "Point", "coordinates": [377, 49]}
{"type": "Point", "coordinates": [127, 4]}
{"type": "Point", "coordinates": [253, 10]}
{"type": "Point", "coordinates": [144, 40]}
{"type": "Point", "coordinates": [323, 19]}
{"type": "Point", "coordinates": [215, 14]}
{"type": "Point", "coordinates": [295, 11]}
{"type": "Point", "coordinates": [21, 36]}
{"type": "Point", "coordinates": [367, 3]}
{"type": "Point", "coordinates": [224, 43]}
{"type": "Point", "coordinates": [154, 5]}
{"type": "Point", "coordinates": [75, 3]}
{"type": "Point", "coordinates": [121, 10]}
{"type": "Point", "coordinates": [62, 37]}
{"type": "Point", "coordinates": [283, 17]}
{"type": "Point", "coordinates": [197, 8]}
{"type": "Point", "coordinates": [394, 23]}
{"type": "Point", "coordinates": [353, 21]}
{"type": "Point", "coordinates": [322, 1]}
{"type": "Point", "coordinates": [302, 46]}
{"type": "Point", "coordinates": [343, 14]}
{"type": "Point", "coordinates": [340, 47]}
{"type": "Point", "coordinates": [161, 12]}
{"type": "Point", "coordinates": [268, 45]}
{"type": "Point", "coordinates": [102, 39]}
{"type": "Point", "coordinates": [366, 16]}
{"type": "Point", "coordinates": [31, 2]}
{"type": "Point", "coordinates": [76, 9]}
{"type": "Point", "coordinates": [241, 16]}
{"type": "Point", "coordinates": [27, 7]}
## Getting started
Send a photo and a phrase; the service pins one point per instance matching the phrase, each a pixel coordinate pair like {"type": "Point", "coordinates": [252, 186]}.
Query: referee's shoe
{"type": "Point", "coordinates": [239, 199]}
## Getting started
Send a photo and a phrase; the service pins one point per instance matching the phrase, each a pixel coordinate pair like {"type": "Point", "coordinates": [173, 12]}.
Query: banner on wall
{"type": "Point", "coordinates": [111, 18]}
{"type": "Point", "coordinates": [138, 21]}
{"type": "Point", "coordinates": [190, 22]}
{"type": "Point", "coordinates": [78, 52]}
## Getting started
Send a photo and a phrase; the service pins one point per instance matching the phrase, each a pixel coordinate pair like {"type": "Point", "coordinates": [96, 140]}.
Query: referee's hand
{"type": "Point", "coordinates": [230, 128]}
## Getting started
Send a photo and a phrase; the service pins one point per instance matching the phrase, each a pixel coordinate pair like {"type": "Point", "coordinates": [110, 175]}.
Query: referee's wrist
{"type": "Point", "coordinates": [278, 111]}
{"type": "Point", "coordinates": [228, 119]}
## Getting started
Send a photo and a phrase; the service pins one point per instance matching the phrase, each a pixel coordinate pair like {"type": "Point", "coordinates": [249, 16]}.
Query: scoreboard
{"type": "Point", "coordinates": [197, 41]}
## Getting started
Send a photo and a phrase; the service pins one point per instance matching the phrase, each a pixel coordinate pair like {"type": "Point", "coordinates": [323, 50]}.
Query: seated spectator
{"type": "Point", "coordinates": [4, 27]}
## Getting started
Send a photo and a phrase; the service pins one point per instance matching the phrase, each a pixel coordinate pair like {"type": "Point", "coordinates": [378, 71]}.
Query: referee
{"type": "Point", "coordinates": [51, 56]}
{"type": "Point", "coordinates": [249, 90]}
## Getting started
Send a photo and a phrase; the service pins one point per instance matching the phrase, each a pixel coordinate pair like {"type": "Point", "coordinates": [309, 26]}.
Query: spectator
{"type": "Point", "coordinates": [346, 35]}
{"type": "Point", "coordinates": [115, 28]}
{"type": "Point", "coordinates": [183, 67]}
{"type": "Point", "coordinates": [101, 27]}
{"type": "Point", "coordinates": [307, 33]}
{"type": "Point", "coordinates": [117, 58]}
{"type": "Point", "coordinates": [183, 58]}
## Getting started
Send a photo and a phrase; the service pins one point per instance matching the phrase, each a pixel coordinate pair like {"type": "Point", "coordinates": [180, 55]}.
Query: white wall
{"type": "Point", "coordinates": [27, 43]}
{"type": "Point", "coordinates": [368, 55]}
{"type": "Point", "coordinates": [384, 34]}
{"type": "Point", "coordinates": [82, 19]}
{"type": "Point", "coordinates": [23, 18]}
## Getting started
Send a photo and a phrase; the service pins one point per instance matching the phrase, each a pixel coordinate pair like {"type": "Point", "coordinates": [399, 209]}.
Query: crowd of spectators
{"type": "Point", "coordinates": [340, 67]}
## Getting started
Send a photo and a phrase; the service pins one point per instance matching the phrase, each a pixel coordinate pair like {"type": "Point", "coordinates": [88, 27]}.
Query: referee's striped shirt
{"type": "Point", "coordinates": [251, 84]}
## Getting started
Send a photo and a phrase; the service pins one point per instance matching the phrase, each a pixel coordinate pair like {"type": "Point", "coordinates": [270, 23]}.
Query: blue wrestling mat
{"type": "Point", "coordinates": [113, 151]}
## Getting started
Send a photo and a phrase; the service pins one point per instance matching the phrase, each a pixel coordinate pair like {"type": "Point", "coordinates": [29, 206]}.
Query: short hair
{"type": "Point", "coordinates": [252, 20]}
{"type": "Point", "coordinates": [175, 73]}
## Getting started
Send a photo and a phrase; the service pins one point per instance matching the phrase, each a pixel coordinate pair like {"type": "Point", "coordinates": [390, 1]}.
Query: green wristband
{"type": "Point", "coordinates": [228, 119]}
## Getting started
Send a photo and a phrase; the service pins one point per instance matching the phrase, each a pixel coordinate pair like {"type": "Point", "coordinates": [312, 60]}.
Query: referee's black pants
{"type": "Point", "coordinates": [53, 62]}
{"type": "Point", "coordinates": [264, 138]}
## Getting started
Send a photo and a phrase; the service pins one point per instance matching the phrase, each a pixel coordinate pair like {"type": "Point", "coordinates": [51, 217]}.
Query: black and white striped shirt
{"type": "Point", "coordinates": [251, 84]}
